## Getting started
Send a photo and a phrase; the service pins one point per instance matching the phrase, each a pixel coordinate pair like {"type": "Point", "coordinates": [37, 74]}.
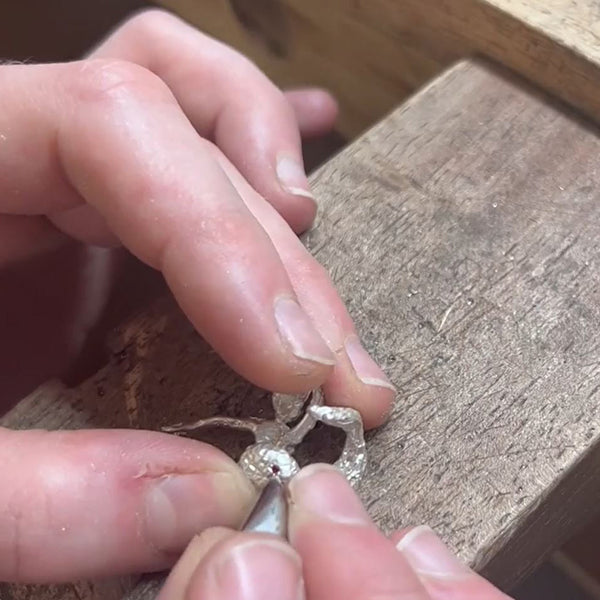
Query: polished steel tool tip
{"type": "Point", "coordinates": [270, 512]}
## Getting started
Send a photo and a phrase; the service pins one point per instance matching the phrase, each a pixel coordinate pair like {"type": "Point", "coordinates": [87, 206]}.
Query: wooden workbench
{"type": "Point", "coordinates": [372, 53]}
{"type": "Point", "coordinates": [463, 232]}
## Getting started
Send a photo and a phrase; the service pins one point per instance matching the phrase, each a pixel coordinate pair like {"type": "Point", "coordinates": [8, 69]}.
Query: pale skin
{"type": "Point", "coordinates": [335, 553]}
{"type": "Point", "coordinates": [176, 147]}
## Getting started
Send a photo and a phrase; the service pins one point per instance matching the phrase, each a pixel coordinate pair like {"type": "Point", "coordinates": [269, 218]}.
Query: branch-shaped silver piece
{"type": "Point", "coordinates": [276, 440]}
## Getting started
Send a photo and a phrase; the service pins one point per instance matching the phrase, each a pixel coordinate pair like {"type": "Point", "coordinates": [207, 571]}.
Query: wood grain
{"type": "Point", "coordinates": [463, 233]}
{"type": "Point", "coordinates": [373, 53]}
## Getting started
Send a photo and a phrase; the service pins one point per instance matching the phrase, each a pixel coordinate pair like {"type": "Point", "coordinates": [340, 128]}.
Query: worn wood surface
{"type": "Point", "coordinates": [372, 53]}
{"type": "Point", "coordinates": [463, 232]}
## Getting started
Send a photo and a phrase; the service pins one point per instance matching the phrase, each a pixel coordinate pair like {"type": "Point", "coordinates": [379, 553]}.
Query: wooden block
{"type": "Point", "coordinates": [372, 54]}
{"type": "Point", "coordinates": [463, 233]}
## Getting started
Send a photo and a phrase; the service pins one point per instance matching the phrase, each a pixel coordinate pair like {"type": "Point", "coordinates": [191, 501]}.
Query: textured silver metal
{"type": "Point", "coordinates": [261, 461]}
{"type": "Point", "coordinates": [269, 514]}
{"type": "Point", "coordinates": [276, 440]}
{"type": "Point", "coordinates": [353, 460]}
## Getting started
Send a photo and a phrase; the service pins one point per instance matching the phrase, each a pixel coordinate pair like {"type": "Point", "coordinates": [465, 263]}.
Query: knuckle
{"type": "Point", "coordinates": [150, 21]}
{"type": "Point", "coordinates": [265, 93]}
{"type": "Point", "coordinates": [275, 100]}
{"type": "Point", "coordinates": [110, 81]}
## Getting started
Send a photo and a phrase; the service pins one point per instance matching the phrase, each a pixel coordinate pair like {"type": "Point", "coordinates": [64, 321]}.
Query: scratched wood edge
{"type": "Point", "coordinates": [373, 54]}
{"type": "Point", "coordinates": [571, 503]}
{"type": "Point", "coordinates": [573, 499]}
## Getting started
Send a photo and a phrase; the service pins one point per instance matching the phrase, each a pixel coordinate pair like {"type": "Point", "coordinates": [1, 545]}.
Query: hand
{"type": "Point", "coordinates": [177, 147]}
{"type": "Point", "coordinates": [115, 149]}
{"type": "Point", "coordinates": [336, 553]}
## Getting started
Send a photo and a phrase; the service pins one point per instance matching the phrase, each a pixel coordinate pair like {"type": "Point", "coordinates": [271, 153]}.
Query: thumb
{"type": "Point", "coordinates": [226, 565]}
{"type": "Point", "coordinates": [106, 502]}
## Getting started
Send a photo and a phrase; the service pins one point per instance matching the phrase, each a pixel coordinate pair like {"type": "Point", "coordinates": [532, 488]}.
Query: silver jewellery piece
{"type": "Point", "coordinates": [272, 453]}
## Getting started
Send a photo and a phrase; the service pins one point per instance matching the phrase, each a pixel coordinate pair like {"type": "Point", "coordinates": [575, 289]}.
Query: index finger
{"type": "Point", "coordinates": [243, 112]}
{"type": "Point", "coordinates": [112, 134]}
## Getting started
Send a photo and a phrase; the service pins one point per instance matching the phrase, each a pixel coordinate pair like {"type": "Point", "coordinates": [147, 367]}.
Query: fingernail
{"type": "Point", "coordinates": [428, 555]}
{"type": "Point", "coordinates": [366, 369]}
{"type": "Point", "coordinates": [292, 177]}
{"type": "Point", "coordinates": [177, 507]}
{"type": "Point", "coordinates": [296, 328]}
{"type": "Point", "coordinates": [320, 491]}
{"type": "Point", "coordinates": [259, 570]}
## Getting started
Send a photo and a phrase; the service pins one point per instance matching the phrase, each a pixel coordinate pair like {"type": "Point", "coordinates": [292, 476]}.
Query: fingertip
{"type": "Point", "coordinates": [360, 383]}
{"type": "Point", "coordinates": [180, 576]}
{"type": "Point", "coordinates": [175, 507]}
{"type": "Point", "coordinates": [321, 493]}
{"type": "Point", "coordinates": [324, 103]}
{"type": "Point", "coordinates": [281, 372]}
{"type": "Point", "coordinates": [429, 556]}
{"type": "Point", "coordinates": [375, 402]}
{"type": "Point", "coordinates": [304, 360]}
{"type": "Point", "coordinates": [316, 110]}
{"type": "Point", "coordinates": [366, 370]}
{"type": "Point", "coordinates": [397, 536]}
{"type": "Point", "coordinates": [438, 568]}
{"type": "Point", "coordinates": [298, 209]}
{"type": "Point", "coordinates": [341, 547]}
{"type": "Point", "coordinates": [248, 566]}
{"type": "Point", "coordinates": [294, 200]}
{"type": "Point", "coordinates": [299, 333]}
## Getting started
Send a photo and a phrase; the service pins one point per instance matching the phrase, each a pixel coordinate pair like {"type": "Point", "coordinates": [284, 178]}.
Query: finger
{"type": "Point", "coordinates": [344, 554]}
{"type": "Point", "coordinates": [177, 582]}
{"type": "Point", "coordinates": [229, 100]}
{"type": "Point", "coordinates": [356, 381]}
{"type": "Point", "coordinates": [24, 237]}
{"type": "Point", "coordinates": [86, 223]}
{"type": "Point", "coordinates": [122, 143]}
{"type": "Point", "coordinates": [95, 503]}
{"type": "Point", "coordinates": [316, 111]}
{"type": "Point", "coordinates": [243, 566]}
{"type": "Point", "coordinates": [442, 574]}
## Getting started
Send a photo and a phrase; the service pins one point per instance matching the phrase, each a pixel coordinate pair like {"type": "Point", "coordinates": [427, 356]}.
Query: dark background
{"type": "Point", "coordinates": [56, 30]}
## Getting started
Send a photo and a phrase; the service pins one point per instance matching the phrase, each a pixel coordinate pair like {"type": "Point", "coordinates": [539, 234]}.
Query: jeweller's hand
{"type": "Point", "coordinates": [177, 147]}
{"type": "Point", "coordinates": [336, 553]}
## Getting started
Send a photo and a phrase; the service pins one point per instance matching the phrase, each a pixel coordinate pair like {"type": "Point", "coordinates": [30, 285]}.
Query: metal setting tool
{"type": "Point", "coordinates": [270, 512]}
